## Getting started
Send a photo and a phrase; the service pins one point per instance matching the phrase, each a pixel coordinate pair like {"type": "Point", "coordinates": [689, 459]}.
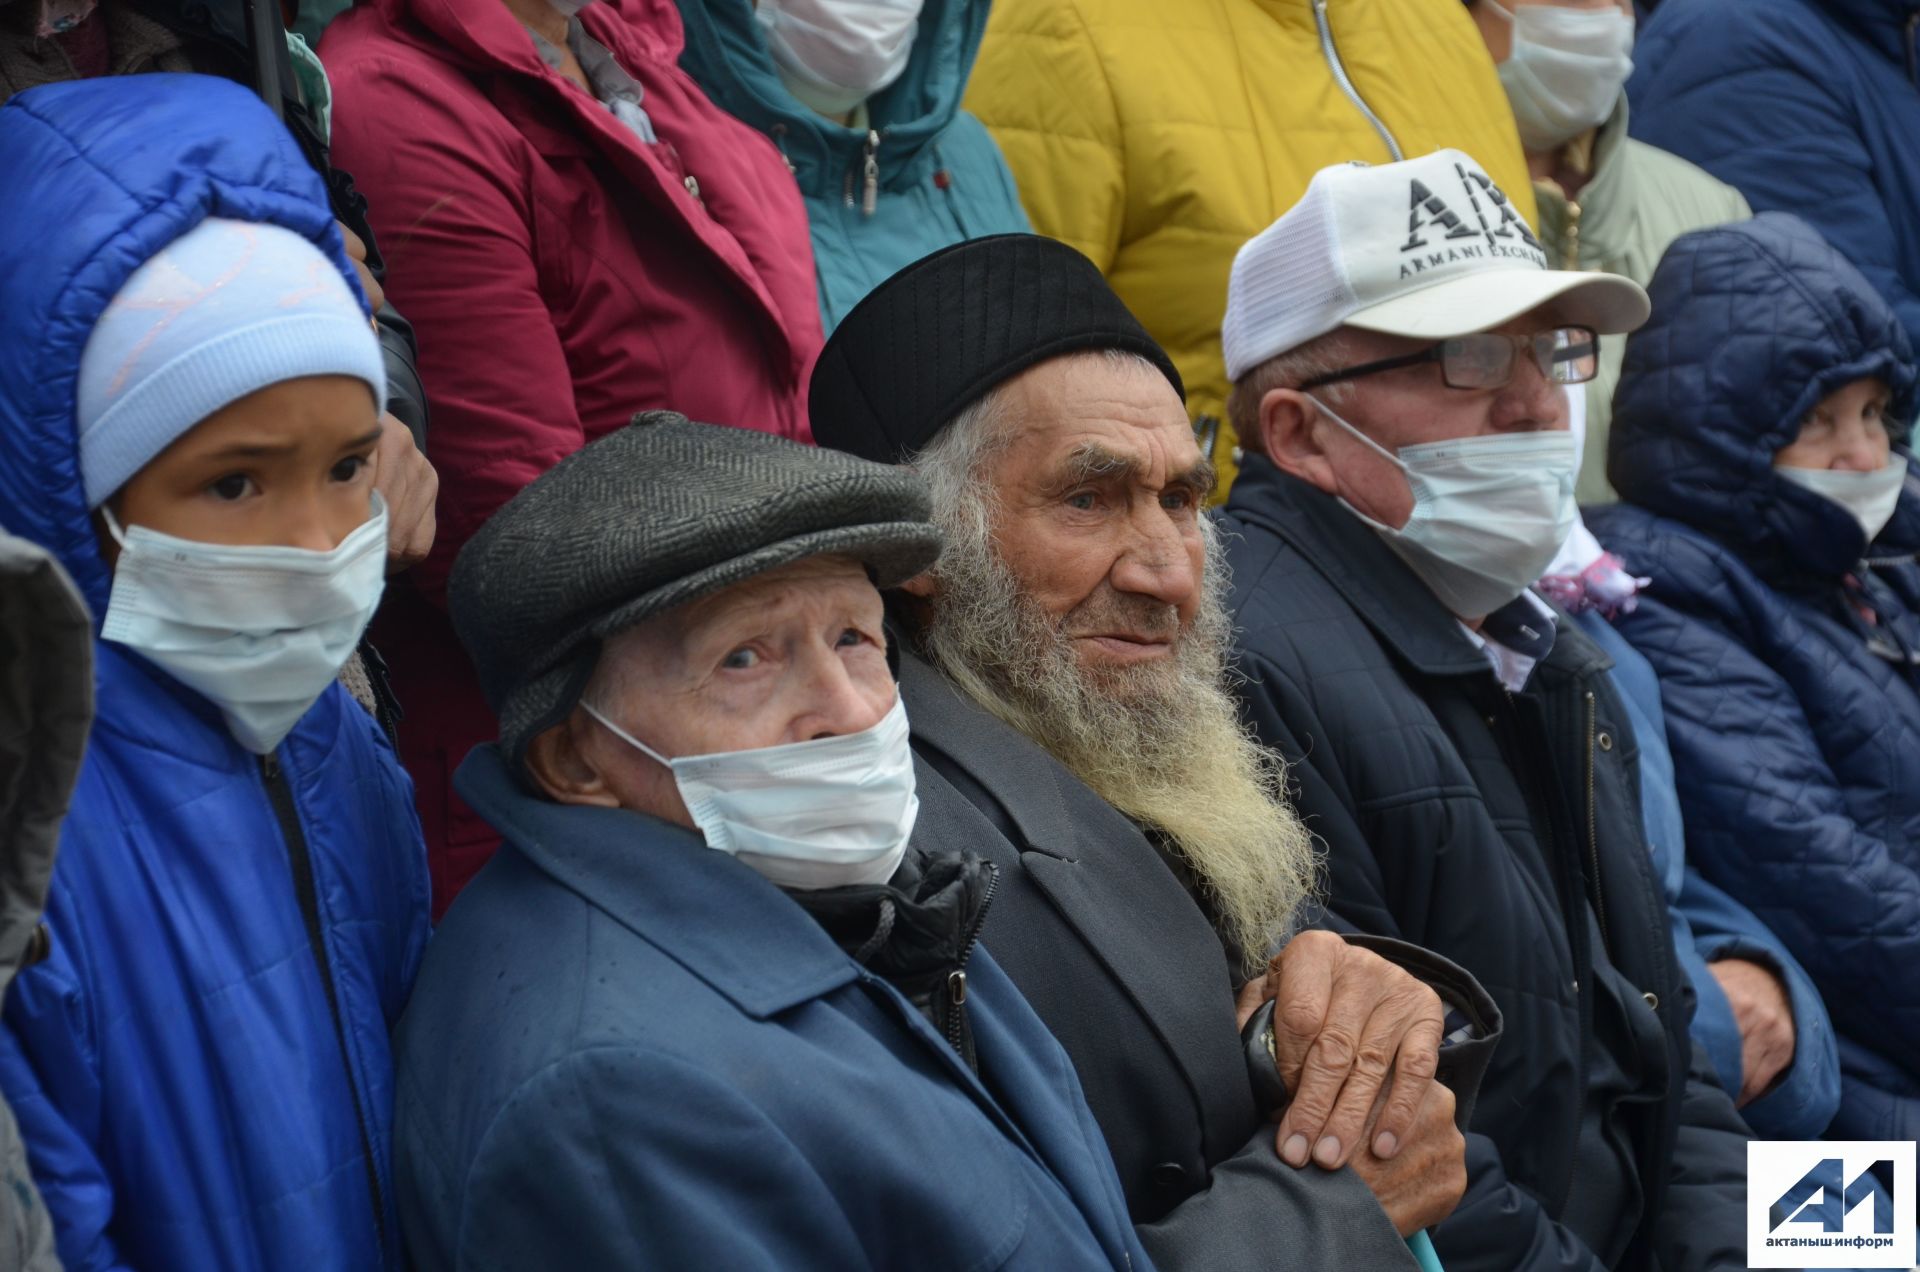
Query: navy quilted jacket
{"type": "Point", "coordinates": [1789, 666]}
{"type": "Point", "coordinates": [1805, 106]}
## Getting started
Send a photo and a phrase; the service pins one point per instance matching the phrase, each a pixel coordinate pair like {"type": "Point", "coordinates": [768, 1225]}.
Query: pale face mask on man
{"type": "Point", "coordinates": [1489, 513]}
{"type": "Point", "coordinates": [818, 814]}
{"type": "Point", "coordinates": [835, 54]}
{"type": "Point", "coordinates": [260, 631]}
{"type": "Point", "coordinates": [1566, 69]}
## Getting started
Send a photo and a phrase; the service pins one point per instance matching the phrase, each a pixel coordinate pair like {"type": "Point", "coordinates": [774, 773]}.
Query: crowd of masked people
{"type": "Point", "coordinates": [1057, 634]}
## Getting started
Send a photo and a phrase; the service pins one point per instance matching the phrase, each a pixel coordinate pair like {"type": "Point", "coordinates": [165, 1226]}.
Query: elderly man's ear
{"type": "Point", "coordinates": [558, 761]}
{"type": "Point", "coordinates": [921, 587]}
{"type": "Point", "coordinates": [1290, 433]}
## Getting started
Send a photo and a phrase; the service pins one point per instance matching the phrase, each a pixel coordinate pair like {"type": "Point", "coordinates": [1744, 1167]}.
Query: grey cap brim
{"type": "Point", "coordinates": [895, 551]}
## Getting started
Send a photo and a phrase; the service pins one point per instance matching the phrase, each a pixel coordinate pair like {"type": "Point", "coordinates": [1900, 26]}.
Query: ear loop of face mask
{"type": "Point", "coordinates": [113, 527]}
{"type": "Point", "coordinates": [626, 737]}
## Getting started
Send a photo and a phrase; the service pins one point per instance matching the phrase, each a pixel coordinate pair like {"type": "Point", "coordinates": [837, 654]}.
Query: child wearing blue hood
{"type": "Point", "coordinates": [1759, 443]}
{"type": "Point", "coordinates": [190, 399]}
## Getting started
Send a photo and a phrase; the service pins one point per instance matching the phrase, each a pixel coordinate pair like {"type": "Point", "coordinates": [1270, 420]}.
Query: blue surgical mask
{"type": "Point", "coordinates": [818, 814]}
{"type": "Point", "coordinates": [1566, 69]}
{"type": "Point", "coordinates": [1489, 513]}
{"type": "Point", "coordinates": [259, 631]}
{"type": "Point", "coordinates": [834, 54]}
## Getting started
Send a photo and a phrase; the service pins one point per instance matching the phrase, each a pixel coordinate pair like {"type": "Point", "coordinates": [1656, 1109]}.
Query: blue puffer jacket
{"type": "Point", "coordinates": [186, 1097]}
{"type": "Point", "coordinates": [939, 179]}
{"type": "Point", "coordinates": [1806, 106]}
{"type": "Point", "coordinates": [1789, 668]}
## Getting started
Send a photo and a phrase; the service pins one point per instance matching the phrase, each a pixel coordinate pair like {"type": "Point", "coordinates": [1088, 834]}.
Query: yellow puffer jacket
{"type": "Point", "coordinates": [1157, 136]}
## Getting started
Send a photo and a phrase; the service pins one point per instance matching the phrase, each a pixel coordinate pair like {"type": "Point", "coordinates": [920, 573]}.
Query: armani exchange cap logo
{"type": "Point", "coordinates": [1437, 235]}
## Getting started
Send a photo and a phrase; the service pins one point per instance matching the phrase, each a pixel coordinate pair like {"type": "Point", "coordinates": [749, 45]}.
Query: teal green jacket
{"type": "Point", "coordinates": [936, 177]}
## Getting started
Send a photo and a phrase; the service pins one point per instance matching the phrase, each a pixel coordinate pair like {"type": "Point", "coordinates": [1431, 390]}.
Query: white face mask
{"type": "Point", "coordinates": [259, 631]}
{"type": "Point", "coordinates": [835, 54]}
{"type": "Point", "coordinates": [818, 814]}
{"type": "Point", "coordinates": [1870, 497]}
{"type": "Point", "coordinates": [1566, 69]}
{"type": "Point", "coordinates": [1489, 513]}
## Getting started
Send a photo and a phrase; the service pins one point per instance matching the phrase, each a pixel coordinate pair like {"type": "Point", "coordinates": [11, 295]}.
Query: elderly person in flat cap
{"type": "Point", "coordinates": [1401, 356]}
{"type": "Point", "coordinates": [708, 1007]}
{"type": "Point", "coordinates": [1064, 667]}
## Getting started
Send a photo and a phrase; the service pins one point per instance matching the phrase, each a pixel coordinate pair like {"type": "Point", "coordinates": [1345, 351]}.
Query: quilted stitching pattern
{"type": "Point", "coordinates": [1794, 744]}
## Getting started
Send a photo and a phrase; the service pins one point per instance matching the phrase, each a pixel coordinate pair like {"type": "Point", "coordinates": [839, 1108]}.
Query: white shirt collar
{"type": "Point", "coordinates": [1527, 616]}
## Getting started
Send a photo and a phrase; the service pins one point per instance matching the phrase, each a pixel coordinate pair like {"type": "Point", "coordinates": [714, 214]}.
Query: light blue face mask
{"type": "Point", "coordinates": [823, 813]}
{"type": "Point", "coordinates": [259, 631]}
{"type": "Point", "coordinates": [1870, 496]}
{"type": "Point", "coordinates": [1566, 69]}
{"type": "Point", "coordinates": [1489, 513]}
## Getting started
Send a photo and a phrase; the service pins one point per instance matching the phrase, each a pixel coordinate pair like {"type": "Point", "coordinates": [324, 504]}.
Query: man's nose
{"type": "Point", "coordinates": [841, 699]}
{"type": "Point", "coordinates": [1532, 399]}
{"type": "Point", "coordinates": [1154, 562]}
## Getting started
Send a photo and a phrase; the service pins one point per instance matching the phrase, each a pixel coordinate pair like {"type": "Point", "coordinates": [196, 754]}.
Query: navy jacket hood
{"type": "Point", "coordinates": [1753, 324]}
{"type": "Point", "coordinates": [100, 175]}
{"type": "Point", "coordinates": [1887, 25]}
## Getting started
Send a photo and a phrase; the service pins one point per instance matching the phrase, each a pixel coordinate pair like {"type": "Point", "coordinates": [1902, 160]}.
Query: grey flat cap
{"type": "Point", "coordinates": [661, 513]}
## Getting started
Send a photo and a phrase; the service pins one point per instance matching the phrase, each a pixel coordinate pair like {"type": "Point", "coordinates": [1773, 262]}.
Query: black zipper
{"type": "Point", "coordinates": [955, 1013]}
{"type": "Point", "coordinates": [304, 893]}
{"type": "Point", "coordinates": [1913, 49]}
{"type": "Point", "coordinates": [1524, 762]}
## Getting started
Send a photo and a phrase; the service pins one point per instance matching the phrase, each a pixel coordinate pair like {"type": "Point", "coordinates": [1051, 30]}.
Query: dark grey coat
{"type": "Point", "coordinates": [46, 705]}
{"type": "Point", "coordinates": [1128, 974]}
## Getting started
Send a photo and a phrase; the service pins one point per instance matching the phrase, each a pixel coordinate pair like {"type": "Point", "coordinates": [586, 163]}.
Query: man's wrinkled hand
{"type": "Point", "coordinates": [1421, 1185]}
{"type": "Point", "coordinates": [357, 253]}
{"type": "Point", "coordinates": [1348, 1025]}
{"type": "Point", "coordinates": [1765, 1018]}
{"type": "Point", "coordinates": [409, 484]}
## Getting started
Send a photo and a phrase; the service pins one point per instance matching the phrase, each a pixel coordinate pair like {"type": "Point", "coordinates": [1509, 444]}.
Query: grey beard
{"type": "Point", "coordinates": [1160, 741]}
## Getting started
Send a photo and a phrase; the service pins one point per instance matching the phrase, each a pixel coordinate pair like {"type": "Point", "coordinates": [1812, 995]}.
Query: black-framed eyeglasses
{"type": "Point", "coordinates": [1485, 360]}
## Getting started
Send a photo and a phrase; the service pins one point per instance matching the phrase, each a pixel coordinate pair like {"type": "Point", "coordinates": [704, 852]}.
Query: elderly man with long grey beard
{"type": "Point", "coordinates": [1064, 669]}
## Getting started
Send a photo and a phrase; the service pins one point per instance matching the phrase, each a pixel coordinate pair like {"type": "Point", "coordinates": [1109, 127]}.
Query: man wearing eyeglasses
{"type": "Point", "coordinates": [1399, 351]}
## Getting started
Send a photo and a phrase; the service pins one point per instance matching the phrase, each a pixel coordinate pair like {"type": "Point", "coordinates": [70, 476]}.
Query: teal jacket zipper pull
{"type": "Point", "coordinates": [870, 170]}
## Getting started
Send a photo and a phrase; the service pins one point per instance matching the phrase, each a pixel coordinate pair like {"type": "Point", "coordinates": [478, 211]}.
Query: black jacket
{"type": "Point", "coordinates": [1502, 831]}
{"type": "Point", "coordinates": [1128, 974]}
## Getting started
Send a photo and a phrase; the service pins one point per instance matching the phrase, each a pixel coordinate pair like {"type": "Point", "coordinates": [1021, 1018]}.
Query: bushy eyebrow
{"type": "Point", "coordinates": [1093, 462]}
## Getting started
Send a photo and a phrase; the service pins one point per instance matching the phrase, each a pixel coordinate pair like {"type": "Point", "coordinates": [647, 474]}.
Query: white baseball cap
{"type": "Point", "coordinates": [1429, 248]}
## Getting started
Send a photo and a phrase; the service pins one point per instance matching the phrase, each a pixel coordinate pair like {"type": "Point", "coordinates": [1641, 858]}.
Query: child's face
{"type": "Point", "coordinates": [291, 465]}
{"type": "Point", "coordinates": [1847, 431]}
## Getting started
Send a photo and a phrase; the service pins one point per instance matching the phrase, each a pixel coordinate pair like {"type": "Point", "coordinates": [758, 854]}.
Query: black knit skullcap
{"type": "Point", "coordinates": [947, 329]}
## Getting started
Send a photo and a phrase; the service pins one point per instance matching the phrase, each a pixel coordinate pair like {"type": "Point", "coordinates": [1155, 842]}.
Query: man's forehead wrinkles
{"type": "Point", "coordinates": [811, 583]}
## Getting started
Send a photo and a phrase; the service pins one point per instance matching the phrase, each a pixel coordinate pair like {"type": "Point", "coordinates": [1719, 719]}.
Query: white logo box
{"type": "Point", "coordinates": [1798, 1214]}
